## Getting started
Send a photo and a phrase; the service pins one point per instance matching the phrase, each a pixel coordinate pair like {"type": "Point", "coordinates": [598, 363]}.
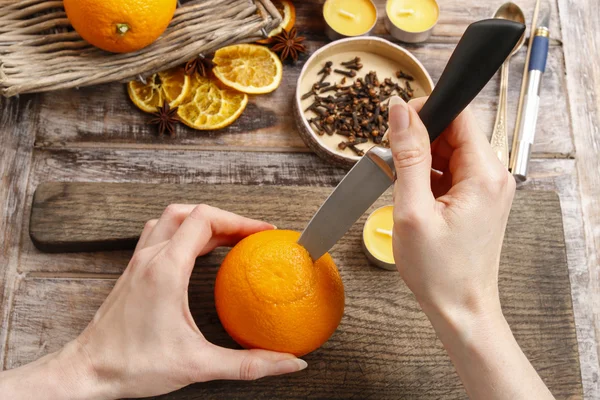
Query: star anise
{"type": "Point", "coordinates": [166, 118]}
{"type": "Point", "coordinates": [202, 65]}
{"type": "Point", "coordinates": [288, 44]}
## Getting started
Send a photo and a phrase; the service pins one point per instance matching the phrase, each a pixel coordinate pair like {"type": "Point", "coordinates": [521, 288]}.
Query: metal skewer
{"type": "Point", "coordinates": [534, 21]}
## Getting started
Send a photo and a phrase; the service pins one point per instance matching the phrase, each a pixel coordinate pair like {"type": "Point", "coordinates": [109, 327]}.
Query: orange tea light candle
{"type": "Point", "coordinates": [377, 238]}
{"type": "Point", "coordinates": [411, 20]}
{"type": "Point", "coordinates": [349, 17]}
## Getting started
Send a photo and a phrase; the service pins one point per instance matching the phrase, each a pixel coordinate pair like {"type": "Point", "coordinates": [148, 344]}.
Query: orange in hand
{"type": "Point", "coordinates": [270, 295]}
{"type": "Point", "coordinates": [120, 26]}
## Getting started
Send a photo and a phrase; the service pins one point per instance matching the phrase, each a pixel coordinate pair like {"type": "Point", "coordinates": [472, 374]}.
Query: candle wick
{"type": "Point", "coordinates": [384, 232]}
{"type": "Point", "coordinates": [405, 11]}
{"type": "Point", "coordinates": [347, 14]}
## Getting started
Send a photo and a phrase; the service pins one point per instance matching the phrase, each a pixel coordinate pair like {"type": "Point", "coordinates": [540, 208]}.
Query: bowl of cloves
{"type": "Point", "coordinates": [342, 96]}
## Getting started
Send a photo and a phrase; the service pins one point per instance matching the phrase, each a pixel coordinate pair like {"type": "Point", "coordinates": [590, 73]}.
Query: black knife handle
{"type": "Point", "coordinates": [478, 55]}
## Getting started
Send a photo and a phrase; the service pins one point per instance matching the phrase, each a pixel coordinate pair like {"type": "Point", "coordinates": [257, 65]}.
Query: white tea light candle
{"type": "Point", "coordinates": [411, 20]}
{"type": "Point", "coordinates": [377, 238]}
{"type": "Point", "coordinates": [349, 17]}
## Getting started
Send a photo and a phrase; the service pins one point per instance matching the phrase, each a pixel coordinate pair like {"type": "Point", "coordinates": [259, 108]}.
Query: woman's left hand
{"type": "Point", "coordinates": [143, 340]}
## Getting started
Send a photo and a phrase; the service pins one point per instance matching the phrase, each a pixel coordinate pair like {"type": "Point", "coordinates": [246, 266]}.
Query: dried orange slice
{"type": "Point", "coordinates": [208, 107]}
{"type": "Point", "coordinates": [288, 14]}
{"type": "Point", "coordinates": [172, 85]}
{"type": "Point", "coordinates": [248, 68]}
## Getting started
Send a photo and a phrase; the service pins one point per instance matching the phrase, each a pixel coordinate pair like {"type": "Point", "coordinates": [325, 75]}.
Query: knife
{"type": "Point", "coordinates": [480, 52]}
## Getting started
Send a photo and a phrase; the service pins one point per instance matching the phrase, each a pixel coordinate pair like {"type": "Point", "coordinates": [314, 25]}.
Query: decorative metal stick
{"type": "Point", "coordinates": [513, 151]}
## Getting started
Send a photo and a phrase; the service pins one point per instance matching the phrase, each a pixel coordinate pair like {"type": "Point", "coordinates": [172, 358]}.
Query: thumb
{"type": "Point", "coordinates": [410, 146]}
{"type": "Point", "coordinates": [248, 365]}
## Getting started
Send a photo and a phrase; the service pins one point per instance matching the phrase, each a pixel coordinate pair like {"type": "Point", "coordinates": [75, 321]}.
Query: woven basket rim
{"type": "Point", "coordinates": [40, 52]}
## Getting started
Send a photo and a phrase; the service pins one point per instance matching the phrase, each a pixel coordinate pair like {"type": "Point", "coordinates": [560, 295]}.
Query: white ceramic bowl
{"type": "Point", "coordinates": [377, 55]}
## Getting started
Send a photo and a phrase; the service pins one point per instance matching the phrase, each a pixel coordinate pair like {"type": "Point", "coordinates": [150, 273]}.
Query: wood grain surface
{"type": "Point", "coordinates": [384, 348]}
{"type": "Point", "coordinates": [228, 168]}
{"type": "Point", "coordinates": [92, 121]}
{"type": "Point", "coordinates": [89, 120]}
{"type": "Point", "coordinates": [583, 85]}
{"type": "Point", "coordinates": [455, 16]}
{"type": "Point", "coordinates": [16, 117]}
{"type": "Point", "coordinates": [96, 135]}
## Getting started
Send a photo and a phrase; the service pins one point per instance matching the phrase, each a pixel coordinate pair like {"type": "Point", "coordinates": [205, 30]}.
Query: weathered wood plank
{"type": "Point", "coordinates": [561, 176]}
{"type": "Point", "coordinates": [104, 117]}
{"type": "Point", "coordinates": [455, 16]}
{"type": "Point", "coordinates": [385, 347]}
{"type": "Point", "coordinates": [546, 174]}
{"type": "Point", "coordinates": [176, 166]}
{"type": "Point", "coordinates": [145, 166]}
{"type": "Point", "coordinates": [186, 167]}
{"type": "Point", "coordinates": [273, 169]}
{"type": "Point", "coordinates": [35, 334]}
{"type": "Point", "coordinates": [582, 57]}
{"type": "Point", "coordinates": [18, 119]}
{"type": "Point", "coordinates": [81, 216]}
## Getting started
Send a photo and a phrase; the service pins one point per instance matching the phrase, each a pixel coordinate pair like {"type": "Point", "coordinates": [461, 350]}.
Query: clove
{"type": "Point", "coordinates": [329, 88]}
{"type": "Point", "coordinates": [328, 129]}
{"type": "Point", "coordinates": [315, 123]}
{"type": "Point", "coordinates": [409, 89]}
{"type": "Point", "coordinates": [358, 140]}
{"type": "Point", "coordinates": [356, 125]}
{"type": "Point", "coordinates": [358, 110]}
{"type": "Point", "coordinates": [326, 68]}
{"type": "Point", "coordinates": [320, 85]}
{"type": "Point", "coordinates": [308, 94]}
{"type": "Point", "coordinates": [355, 149]}
{"type": "Point", "coordinates": [356, 67]}
{"type": "Point", "coordinates": [355, 60]}
{"type": "Point", "coordinates": [401, 75]}
{"type": "Point", "coordinates": [349, 74]}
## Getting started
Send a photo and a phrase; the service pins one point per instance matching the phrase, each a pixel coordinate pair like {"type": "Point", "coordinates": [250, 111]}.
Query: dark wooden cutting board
{"type": "Point", "coordinates": [385, 346]}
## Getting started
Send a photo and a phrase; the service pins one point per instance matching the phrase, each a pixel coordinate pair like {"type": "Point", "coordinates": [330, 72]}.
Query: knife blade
{"type": "Point", "coordinates": [370, 177]}
{"type": "Point", "coordinates": [476, 58]}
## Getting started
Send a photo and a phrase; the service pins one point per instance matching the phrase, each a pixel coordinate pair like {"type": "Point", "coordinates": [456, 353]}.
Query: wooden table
{"type": "Point", "coordinates": [94, 134]}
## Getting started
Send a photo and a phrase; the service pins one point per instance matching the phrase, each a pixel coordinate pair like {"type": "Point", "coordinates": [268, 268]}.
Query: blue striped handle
{"type": "Point", "coordinates": [539, 54]}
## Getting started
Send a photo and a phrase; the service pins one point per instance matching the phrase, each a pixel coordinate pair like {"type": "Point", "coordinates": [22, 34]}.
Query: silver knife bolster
{"type": "Point", "coordinates": [372, 175]}
{"type": "Point", "coordinates": [384, 159]}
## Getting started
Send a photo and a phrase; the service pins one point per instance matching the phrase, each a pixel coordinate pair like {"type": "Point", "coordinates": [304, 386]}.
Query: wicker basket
{"type": "Point", "coordinates": [39, 51]}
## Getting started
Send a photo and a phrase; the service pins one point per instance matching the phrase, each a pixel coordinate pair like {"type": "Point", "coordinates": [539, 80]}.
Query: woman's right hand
{"type": "Point", "coordinates": [451, 206]}
{"type": "Point", "coordinates": [449, 225]}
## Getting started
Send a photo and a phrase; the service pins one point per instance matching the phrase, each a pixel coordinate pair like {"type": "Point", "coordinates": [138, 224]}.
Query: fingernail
{"type": "Point", "coordinates": [399, 115]}
{"type": "Point", "coordinates": [289, 366]}
{"type": "Point", "coordinates": [274, 227]}
{"type": "Point", "coordinates": [301, 364]}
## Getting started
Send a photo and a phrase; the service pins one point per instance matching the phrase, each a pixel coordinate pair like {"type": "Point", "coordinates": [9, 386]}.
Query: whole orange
{"type": "Point", "coordinates": [120, 26]}
{"type": "Point", "coordinates": [270, 295]}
